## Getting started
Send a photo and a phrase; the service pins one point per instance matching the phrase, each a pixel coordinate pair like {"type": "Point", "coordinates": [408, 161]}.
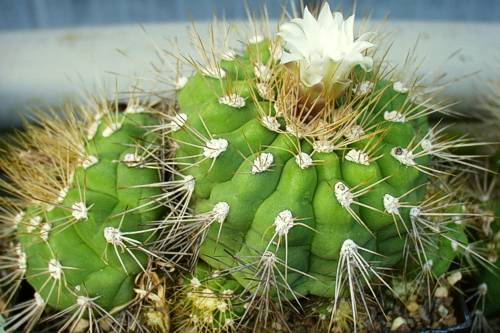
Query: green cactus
{"type": "Point", "coordinates": [270, 180]}
{"type": "Point", "coordinates": [301, 168]}
{"type": "Point", "coordinates": [84, 234]}
{"type": "Point", "coordinates": [298, 187]}
{"type": "Point", "coordinates": [483, 192]}
{"type": "Point", "coordinates": [482, 197]}
{"type": "Point", "coordinates": [489, 291]}
{"type": "Point", "coordinates": [207, 304]}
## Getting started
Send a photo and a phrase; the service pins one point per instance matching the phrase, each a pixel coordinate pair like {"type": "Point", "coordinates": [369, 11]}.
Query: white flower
{"type": "Point", "coordinates": [324, 48]}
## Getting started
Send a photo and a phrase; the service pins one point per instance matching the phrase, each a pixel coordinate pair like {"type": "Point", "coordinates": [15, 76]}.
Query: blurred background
{"type": "Point", "coordinates": [42, 14]}
{"type": "Point", "coordinates": [50, 50]}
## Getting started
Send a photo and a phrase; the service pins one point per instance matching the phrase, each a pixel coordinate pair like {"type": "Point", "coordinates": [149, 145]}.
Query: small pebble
{"type": "Point", "coordinates": [441, 292]}
{"type": "Point", "coordinates": [454, 278]}
{"type": "Point", "coordinates": [413, 307]}
{"type": "Point", "coordinates": [397, 323]}
{"type": "Point", "coordinates": [443, 311]}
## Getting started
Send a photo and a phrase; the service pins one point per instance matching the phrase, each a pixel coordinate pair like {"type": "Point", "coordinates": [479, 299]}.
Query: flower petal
{"type": "Point", "coordinates": [325, 18]}
{"type": "Point", "coordinates": [324, 48]}
{"type": "Point", "coordinates": [290, 57]}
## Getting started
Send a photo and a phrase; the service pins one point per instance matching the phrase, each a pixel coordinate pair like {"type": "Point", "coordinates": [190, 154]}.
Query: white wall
{"type": "Point", "coordinates": [44, 67]}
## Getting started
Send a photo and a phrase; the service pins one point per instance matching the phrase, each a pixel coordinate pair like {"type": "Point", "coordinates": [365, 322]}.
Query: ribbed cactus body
{"type": "Point", "coordinates": [267, 183]}
{"type": "Point", "coordinates": [68, 249]}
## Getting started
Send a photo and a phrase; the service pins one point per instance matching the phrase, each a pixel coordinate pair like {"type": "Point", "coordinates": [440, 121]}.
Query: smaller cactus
{"type": "Point", "coordinates": [205, 305]}
{"type": "Point", "coordinates": [482, 195]}
{"type": "Point", "coordinates": [84, 190]}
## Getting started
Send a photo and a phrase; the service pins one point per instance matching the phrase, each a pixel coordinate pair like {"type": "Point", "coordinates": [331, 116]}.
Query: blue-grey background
{"type": "Point", "coordinates": [30, 14]}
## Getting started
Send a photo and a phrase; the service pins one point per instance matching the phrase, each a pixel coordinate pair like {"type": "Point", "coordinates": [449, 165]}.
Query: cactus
{"type": "Point", "coordinates": [480, 195]}
{"type": "Point", "coordinates": [83, 191]}
{"type": "Point", "coordinates": [302, 173]}
{"type": "Point", "coordinates": [484, 197]}
{"type": "Point", "coordinates": [308, 168]}
{"type": "Point", "coordinates": [488, 236]}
